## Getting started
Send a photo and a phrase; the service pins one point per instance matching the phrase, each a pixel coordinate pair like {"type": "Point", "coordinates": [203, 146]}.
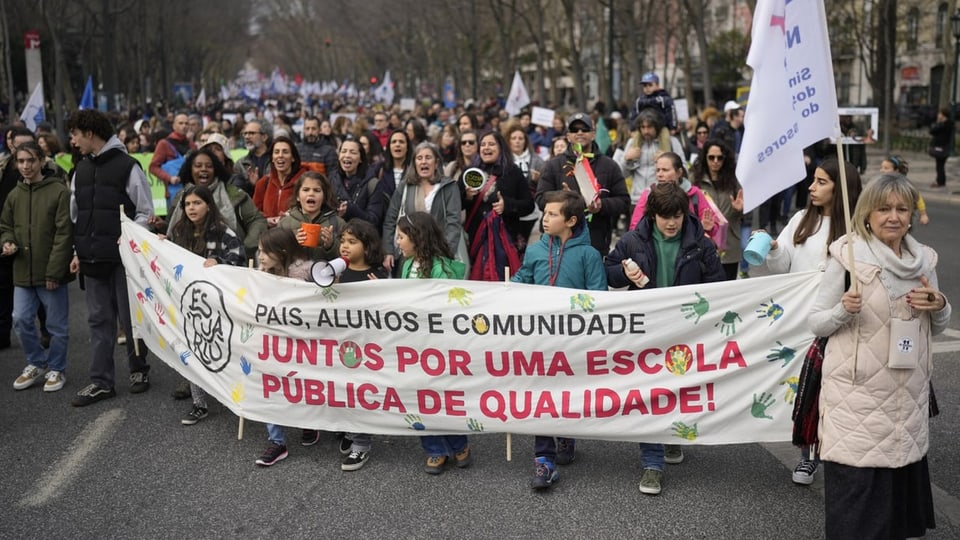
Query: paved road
{"type": "Point", "coordinates": [126, 468]}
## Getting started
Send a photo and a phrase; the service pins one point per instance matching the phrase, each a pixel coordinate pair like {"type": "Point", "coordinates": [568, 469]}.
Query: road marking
{"type": "Point", "coordinates": [947, 346]}
{"type": "Point", "coordinates": [66, 470]}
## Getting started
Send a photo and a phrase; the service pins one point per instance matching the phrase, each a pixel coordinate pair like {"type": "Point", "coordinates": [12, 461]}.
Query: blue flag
{"type": "Point", "coordinates": [86, 102]}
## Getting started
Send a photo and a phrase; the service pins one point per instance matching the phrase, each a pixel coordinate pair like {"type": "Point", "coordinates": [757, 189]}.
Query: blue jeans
{"type": "Point", "coordinates": [651, 456]}
{"type": "Point", "coordinates": [26, 300]}
{"type": "Point", "coordinates": [275, 434]}
{"type": "Point", "coordinates": [443, 445]}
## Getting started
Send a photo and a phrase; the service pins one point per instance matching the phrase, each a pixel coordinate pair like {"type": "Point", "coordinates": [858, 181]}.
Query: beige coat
{"type": "Point", "coordinates": [872, 415]}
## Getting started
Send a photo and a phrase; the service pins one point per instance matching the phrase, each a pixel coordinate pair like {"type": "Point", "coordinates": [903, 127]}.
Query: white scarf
{"type": "Point", "coordinates": [899, 275]}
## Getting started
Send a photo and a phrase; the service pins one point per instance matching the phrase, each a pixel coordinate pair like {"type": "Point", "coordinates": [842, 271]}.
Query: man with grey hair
{"type": "Point", "coordinates": [256, 164]}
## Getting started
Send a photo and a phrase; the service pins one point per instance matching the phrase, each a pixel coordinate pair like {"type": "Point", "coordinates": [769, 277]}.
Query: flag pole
{"type": "Point", "coordinates": [506, 279]}
{"type": "Point", "coordinates": [848, 221]}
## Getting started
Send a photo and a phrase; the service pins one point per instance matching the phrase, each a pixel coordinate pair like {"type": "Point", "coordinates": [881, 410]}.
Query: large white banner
{"type": "Point", "coordinates": [705, 364]}
{"type": "Point", "coordinates": [793, 99]}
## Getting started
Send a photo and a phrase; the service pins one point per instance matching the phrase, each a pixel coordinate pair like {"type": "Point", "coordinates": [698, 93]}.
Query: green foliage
{"type": "Point", "coordinates": [727, 53]}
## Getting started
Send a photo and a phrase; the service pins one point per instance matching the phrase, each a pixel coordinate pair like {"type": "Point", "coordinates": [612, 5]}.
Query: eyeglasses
{"type": "Point", "coordinates": [702, 132]}
{"type": "Point", "coordinates": [250, 133]}
{"type": "Point", "coordinates": [581, 130]}
{"type": "Point", "coordinates": [466, 142]}
{"type": "Point", "coordinates": [715, 158]}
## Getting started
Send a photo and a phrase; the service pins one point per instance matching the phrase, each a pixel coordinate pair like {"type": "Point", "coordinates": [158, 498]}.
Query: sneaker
{"type": "Point", "coordinates": [55, 381]}
{"type": "Point", "coordinates": [354, 461]}
{"type": "Point", "coordinates": [672, 454]}
{"type": "Point", "coordinates": [30, 375]}
{"type": "Point", "coordinates": [139, 382]}
{"type": "Point", "coordinates": [546, 474]}
{"type": "Point", "coordinates": [743, 275]}
{"type": "Point", "coordinates": [566, 450]}
{"type": "Point", "coordinates": [463, 458]}
{"type": "Point", "coordinates": [92, 394]}
{"type": "Point", "coordinates": [309, 437]}
{"type": "Point", "coordinates": [274, 453]}
{"type": "Point", "coordinates": [435, 464]}
{"type": "Point", "coordinates": [804, 472]}
{"type": "Point", "coordinates": [650, 482]}
{"type": "Point", "coordinates": [195, 415]}
{"type": "Point", "coordinates": [182, 391]}
{"type": "Point", "coordinates": [346, 443]}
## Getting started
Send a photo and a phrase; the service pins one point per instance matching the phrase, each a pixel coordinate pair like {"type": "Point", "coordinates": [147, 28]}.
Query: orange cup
{"type": "Point", "coordinates": [312, 231]}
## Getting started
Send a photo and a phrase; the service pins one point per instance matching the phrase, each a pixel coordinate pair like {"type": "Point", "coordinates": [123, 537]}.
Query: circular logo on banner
{"type": "Point", "coordinates": [207, 327]}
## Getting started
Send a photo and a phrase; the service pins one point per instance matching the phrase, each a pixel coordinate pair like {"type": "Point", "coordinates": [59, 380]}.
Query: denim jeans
{"type": "Point", "coordinates": [443, 445]}
{"type": "Point", "coordinates": [362, 442]}
{"type": "Point", "coordinates": [546, 447]}
{"type": "Point", "coordinates": [26, 300]}
{"type": "Point", "coordinates": [651, 456]}
{"type": "Point", "coordinates": [275, 434]}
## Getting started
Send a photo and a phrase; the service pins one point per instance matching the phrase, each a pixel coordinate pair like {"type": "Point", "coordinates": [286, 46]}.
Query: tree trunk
{"type": "Point", "coordinates": [575, 60]}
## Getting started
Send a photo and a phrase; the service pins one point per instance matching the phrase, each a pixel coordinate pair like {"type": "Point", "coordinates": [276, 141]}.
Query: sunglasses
{"type": "Point", "coordinates": [702, 132]}
{"type": "Point", "coordinates": [581, 130]}
{"type": "Point", "coordinates": [466, 142]}
{"type": "Point", "coordinates": [715, 158]}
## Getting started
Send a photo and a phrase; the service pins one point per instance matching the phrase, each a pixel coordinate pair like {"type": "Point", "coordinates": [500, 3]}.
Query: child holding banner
{"type": "Point", "coordinates": [205, 233]}
{"type": "Point", "coordinates": [427, 255]}
{"type": "Point", "coordinates": [280, 254]}
{"type": "Point", "coordinates": [666, 249]}
{"type": "Point", "coordinates": [360, 247]}
{"type": "Point", "coordinates": [563, 257]}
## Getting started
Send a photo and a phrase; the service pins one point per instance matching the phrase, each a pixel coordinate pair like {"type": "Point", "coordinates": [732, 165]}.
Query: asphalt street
{"type": "Point", "coordinates": [127, 468]}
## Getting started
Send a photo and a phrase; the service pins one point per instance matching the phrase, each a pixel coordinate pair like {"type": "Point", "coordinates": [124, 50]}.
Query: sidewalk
{"type": "Point", "coordinates": [922, 173]}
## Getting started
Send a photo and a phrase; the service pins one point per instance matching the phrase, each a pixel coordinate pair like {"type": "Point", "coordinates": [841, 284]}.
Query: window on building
{"type": "Point", "coordinates": [941, 24]}
{"type": "Point", "coordinates": [913, 28]}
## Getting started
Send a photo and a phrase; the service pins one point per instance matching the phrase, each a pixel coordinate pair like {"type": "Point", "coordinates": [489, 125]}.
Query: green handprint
{"type": "Point", "coordinates": [330, 294]}
{"type": "Point", "coordinates": [684, 431]}
{"type": "Point", "coordinates": [246, 332]}
{"type": "Point", "coordinates": [759, 407]}
{"type": "Point", "coordinates": [415, 422]}
{"type": "Point", "coordinates": [782, 353]}
{"type": "Point", "coordinates": [695, 309]}
{"type": "Point", "coordinates": [474, 425]}
{"type": "Point", "coordinates": [728, 324]}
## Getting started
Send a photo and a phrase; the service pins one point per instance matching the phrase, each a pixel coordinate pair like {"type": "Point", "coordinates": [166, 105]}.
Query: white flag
{"type": "Point", "coordinates": [202, 99]}
{"type": "Point", "coordinates": [384, 93]}
{"type": "Point", "coordinates": [33, 113]}
{"type": "Point", "coordinates": [793, 100]}
{"type": "Point", "coordinates": [519, 98]}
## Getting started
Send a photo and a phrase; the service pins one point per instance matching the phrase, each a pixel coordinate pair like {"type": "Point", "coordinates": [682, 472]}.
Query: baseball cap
{"type": "Point", "coordinates": [650, 77]}
{"type": "Point", "coordinates": [216, 138]}
{"type": "Point", "coordinates": [583, 118]}
{"type": "Point", "coordinates": [730, 106]}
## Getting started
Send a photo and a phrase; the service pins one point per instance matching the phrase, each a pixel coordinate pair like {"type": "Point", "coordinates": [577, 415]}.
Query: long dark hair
{"type": "Point", "coordinates": [503, 162]}
{"type": "Point", "coordinates": [407, 159]}
{"type": "Point", "coordinates": [330, 202]}
{"type": "Point", "coordinates": [364, 163]}
{"type": "Point", "coordinates": [193, 237]}
{"type": "Point", "coordinates": [376, 149]}
{"type": "Point", "coordinates": [812, 218]}
{"type": "Point", "coordinates": [428, 240]}
{"type": "Point", "coordinates": [726, 176]}
{"type": "Point", "coordinates": [282, 244]}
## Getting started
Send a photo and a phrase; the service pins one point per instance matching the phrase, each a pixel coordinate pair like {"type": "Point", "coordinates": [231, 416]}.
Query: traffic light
{"type": "Point", "coordinates": [373, 80]}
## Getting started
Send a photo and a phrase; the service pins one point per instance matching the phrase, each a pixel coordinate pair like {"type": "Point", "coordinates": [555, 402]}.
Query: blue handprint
{"type": "Point", "coordinates": [245, 365]}
{"type": "Point", "coordinates": [178, 272]}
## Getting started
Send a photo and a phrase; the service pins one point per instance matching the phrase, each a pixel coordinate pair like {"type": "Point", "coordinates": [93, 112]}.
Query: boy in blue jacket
{"type": "Point", "coordinates": [562, 258]}
{"type": "Point", "coordinates": [667, 248]}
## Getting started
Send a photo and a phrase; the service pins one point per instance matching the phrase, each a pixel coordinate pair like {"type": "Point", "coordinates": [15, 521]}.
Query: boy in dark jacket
{"type": "Point", "coordinates": [667, 248]}
{"type": "Point", "coordinates": [562, 258]}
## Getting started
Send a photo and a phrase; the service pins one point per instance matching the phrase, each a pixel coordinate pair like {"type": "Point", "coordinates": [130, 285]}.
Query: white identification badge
{"type": "Point", "coordinates": [904, 342]}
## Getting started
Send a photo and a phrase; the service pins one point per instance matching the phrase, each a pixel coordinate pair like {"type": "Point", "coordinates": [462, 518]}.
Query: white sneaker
{"type": "Point", "coordinates": [55, 381]}
{"type": "Point", "coordinates": [30, 375]}
{"type": "Point", "coordinates": [804, 472]}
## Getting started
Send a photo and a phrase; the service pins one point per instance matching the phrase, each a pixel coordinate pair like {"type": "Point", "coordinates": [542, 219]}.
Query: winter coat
{"type": "Point", "coordinates": [364, 196]}
{"type": "Point", "coordinates": [733, 251]}
{"type": "Point", "coordinates": [517, 201]}
{"type": "Point", "coordinates": [273, 197]}
{"type": "Point", "coordinates": [440, 268]}
{"type": "Point", "coordinates": [36, 217]}
{"type": "Point", "coordinates": [615, 199]}
{"type": "Point", "coordinates": [697, 259]}
{"type": "Point", "coordinates": [574, 264]}
{"type": "Point", "coordinates": [870, 414]}
{"type": "Point", "coordinates": [445, 209]}
{"type": "Point", "coordinates": [250, 222]}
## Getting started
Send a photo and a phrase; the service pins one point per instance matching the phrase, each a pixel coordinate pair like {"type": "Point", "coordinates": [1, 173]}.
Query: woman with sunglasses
{"type": "Point", "coordinates": [695, 145]}
{"type": "Point", "coordinates": [714, 172]}
{"type": "Point", "coordinates": [467, 148]}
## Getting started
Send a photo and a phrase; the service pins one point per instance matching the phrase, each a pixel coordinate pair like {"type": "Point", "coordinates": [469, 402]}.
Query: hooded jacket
{"type": "Point", "coordinates": [295, 218]}
{"type": "Point", "coordinates": [574, 264]}
{"type": "Point", "coordinates": [36, 217]}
